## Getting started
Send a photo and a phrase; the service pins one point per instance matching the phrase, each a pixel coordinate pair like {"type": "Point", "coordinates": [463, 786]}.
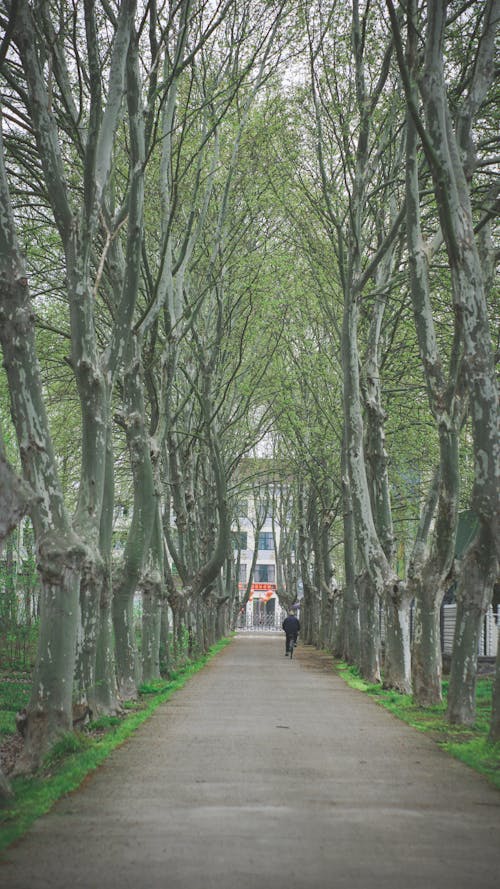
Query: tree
{"type": "Point", "coordinates": [449, 151]}
{"type": "Point", "coordinates": [60, 553]}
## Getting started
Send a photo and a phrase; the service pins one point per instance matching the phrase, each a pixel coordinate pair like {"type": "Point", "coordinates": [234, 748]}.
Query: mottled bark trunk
{"type": "Point", "coordinates": [369, 619]}
{"type": "Point", "coordinates": [428, 582]}
{"type": "Point", "coordinates": [309, 606]}
{"type": "Point", "coordinates": [59, 552]}
{"type": "Point", "coordinates": [165, 636]}
{"type": "Point", "coordinates": [448, 147]}
{"type": "Point", "coordinates": [104, 699]}
{"type": "Point", "coordinates": [87, 636]}
{"type": "Point", "coordinates": [475, 586]}
{"type": "Point", "coordinates": [433, 560]}
{"type": "Point", "coordinates": [444, 147]}
{"type": "Point", "coordinates": [139, 536]}
{"type": "Point", "coordinates": [397, 660]}
{"type": "Point", "coordinates": [427, 665]}
{"type": "Point", "coordinates": [15, 496]}
{"type": "Point", "coordinates": [151, 623]}
{"type": "Point", "coordinates": [325, 574]}
{"type": "Point", "coordinates": [376, 569]}
{"type": "Point", "coordinates": [50, 712]}
{"type": "Point", "coordinates": [152, 597]}
{"type": "Point", "coordinates": [78, 228]}
{"type": "Point", "coordinates": [349, 644]}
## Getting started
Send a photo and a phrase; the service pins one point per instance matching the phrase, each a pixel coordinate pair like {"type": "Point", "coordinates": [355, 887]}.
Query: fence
{"type": "Point", "coordinates": [252, 621]}
{"type": "Point", "coordinates": [488, 641]}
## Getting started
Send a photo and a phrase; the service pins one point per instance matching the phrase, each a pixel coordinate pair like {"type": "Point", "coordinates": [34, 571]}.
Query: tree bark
{"type": "Point", "coordinates": [447, 149]}
{"type": "Point", "coordinates": [59, 551]}
{"type": "Point", "coordinates": [369, 621]}
{"type": "Point", "coordinates": [349, 644]}
{"type": "Point", "coordinates": [475, 586]}
{"type": "Point", "coordinates": [141, 528]}
{"type": "Point", "coordinates": [152, 598]}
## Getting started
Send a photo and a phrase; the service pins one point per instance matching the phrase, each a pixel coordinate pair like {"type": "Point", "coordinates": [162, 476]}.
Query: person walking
{"type": "Point", "coordinates": [291, 626]}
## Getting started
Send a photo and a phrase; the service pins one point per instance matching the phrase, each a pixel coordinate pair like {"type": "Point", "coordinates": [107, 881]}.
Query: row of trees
{"type": "Point", "coordinates": [402, 195]}
{"type": "Point", "coordinates": [235, 222]}
{"type": "Point", "coordinates": [121, 133]}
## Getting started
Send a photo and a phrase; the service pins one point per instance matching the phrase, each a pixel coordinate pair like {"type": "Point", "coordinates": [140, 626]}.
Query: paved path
{"type": "Point", "coordinates": [264, 774]}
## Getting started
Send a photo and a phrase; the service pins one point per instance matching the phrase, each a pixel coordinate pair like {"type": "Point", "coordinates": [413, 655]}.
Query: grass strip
{"type": "Point", "coordinates": [467, 743]}
{"type": "Point", "coordinates": [76, 755]}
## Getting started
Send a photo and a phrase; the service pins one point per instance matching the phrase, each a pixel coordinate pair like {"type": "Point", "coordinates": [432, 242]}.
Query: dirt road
{"type": "Point", "coordinates": [264, 774]}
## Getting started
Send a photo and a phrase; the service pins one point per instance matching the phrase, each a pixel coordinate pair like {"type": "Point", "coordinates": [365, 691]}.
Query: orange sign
{"type": "Point", "coordinates": [266, 590]}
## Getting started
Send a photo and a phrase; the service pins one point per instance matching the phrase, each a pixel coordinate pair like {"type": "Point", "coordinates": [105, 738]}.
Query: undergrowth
{"type": "Point", "coordinates": [77, 754]}
{"type": "Point", "coordinates": [468, 743]}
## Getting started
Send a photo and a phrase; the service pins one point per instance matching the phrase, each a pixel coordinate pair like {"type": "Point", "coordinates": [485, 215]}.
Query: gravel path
{"type": "Point", "coordinates": [263, 774]}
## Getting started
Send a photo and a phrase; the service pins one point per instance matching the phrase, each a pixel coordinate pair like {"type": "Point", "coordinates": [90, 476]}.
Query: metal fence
{"type": "Point", "coordinates": [488, 641]}
{"type": "Point", "coordinates": [254, 621]}
{"type": "Point", "coordinates": [251, 622]}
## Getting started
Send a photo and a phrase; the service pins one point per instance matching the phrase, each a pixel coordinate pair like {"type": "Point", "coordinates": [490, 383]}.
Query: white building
{"type": "Point", "coordinates": [263, 610]}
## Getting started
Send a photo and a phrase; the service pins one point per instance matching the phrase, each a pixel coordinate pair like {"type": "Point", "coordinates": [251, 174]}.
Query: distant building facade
{"type": "Point", "coordinates": [263, 611]}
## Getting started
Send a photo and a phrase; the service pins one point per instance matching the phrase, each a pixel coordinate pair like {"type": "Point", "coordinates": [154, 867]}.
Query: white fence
{"type": "Point", "coordinates": [488, 641]}
{"type": "Point", "coordinates": [252, 621]}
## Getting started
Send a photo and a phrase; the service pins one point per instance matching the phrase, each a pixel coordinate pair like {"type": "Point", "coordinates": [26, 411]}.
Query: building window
{"type": "Point", "coordinates": [265, 574]}
{"type": "Point", "coordinates": [240, 539]}
{"type": "Point", "coordinates": [243, 574]}
{"type": "Point", "coordinates": [266, 540]}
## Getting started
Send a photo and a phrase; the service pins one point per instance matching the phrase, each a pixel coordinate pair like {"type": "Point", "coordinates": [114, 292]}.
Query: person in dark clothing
{"type": "Point", "coordinates": [291, 626]}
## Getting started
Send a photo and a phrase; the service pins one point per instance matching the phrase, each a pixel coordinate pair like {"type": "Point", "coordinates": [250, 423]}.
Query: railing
{"type": "Point", "coordinates": [267, 623]}
{"type": "Point", "coordinates": [488, 641]}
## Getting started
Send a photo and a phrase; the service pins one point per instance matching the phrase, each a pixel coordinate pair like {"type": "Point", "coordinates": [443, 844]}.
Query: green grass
{"type": "Point", "coordinates": [77, 754]}
{"type": "Point", "coordinates": [467, 743]}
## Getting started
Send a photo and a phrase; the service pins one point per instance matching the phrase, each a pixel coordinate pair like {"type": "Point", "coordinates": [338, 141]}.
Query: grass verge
{"type": "Point", "coordinates": [76, 755]}
{"type": "Point", "coordinates": [467, 743]}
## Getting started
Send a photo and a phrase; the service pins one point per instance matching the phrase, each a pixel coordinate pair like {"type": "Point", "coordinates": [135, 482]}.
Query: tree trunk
{"type": "Point", "coordinates": [50, 712]}
{"type": "Point", "coordinates": [59, 551]}
{"type": "Point", "coordinates": [475, 587]}
{"type": "Point", "coordinates": [87, 636]}
{"type": "Point", "coordinates": [427, 666]}
{"type": "Point", "coordinates": [369, 618]}
{"type": "Point", "coordinates": [141, 528]}
{"type": "Point", "coordinates": [152, 600]}
{"type": "Point", "coordinates": [433, 561]}
{"type": "Point", "coordinates": [349, 645]}
{"type": "Point", "coordinates": [397, 661]}
{"type": "Point", "coordinates": [165, 635]}
{"type": "Point", "coordinates": [469, 299]}
{"type": "Point", "coordinates": [151, 625]}
{"type": "Point", "coordinates": [105, 699]}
